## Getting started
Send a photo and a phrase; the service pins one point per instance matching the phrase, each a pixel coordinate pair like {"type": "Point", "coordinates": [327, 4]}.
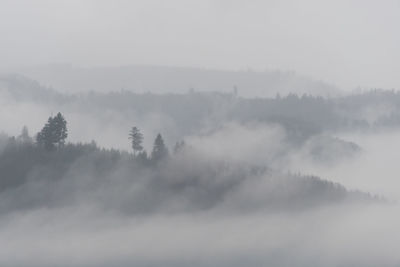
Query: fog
{"type": "Point", "coordinates": [346, 43]}
{"type": "Point", "coordinates": [375, 169]}
{"type": "Point", "coordinates": [242, 191]}
{"type": "Point", "coordinates": [199, 133]}
{"type": "Point", "coordinates": [166, 79]}
{"type": "Point", "coordinates": [324, 240]}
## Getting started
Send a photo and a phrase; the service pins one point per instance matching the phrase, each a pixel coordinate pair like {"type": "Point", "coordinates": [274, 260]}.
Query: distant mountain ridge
{"type": "Point", "coordinates": [162, 79]}
{"type": "Point", "coordinates": [22, 88]}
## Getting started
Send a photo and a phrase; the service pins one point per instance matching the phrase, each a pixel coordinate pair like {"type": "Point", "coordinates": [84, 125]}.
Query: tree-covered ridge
{"type": "Point", "coordinates": [184, 181]}
{"type": "Point", "coordinates": [182, 178]}
{"type": "Point", "coordinates": [301, 115]}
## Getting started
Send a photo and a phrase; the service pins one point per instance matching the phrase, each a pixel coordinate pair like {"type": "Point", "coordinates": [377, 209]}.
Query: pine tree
{"type": "Point", "coordinates": [45, 137]}
{"type": "Point", "coordinates": [160, 151]}
{"type": "Point", "coordinates": [53, 133]}
{"type": "Point", "coordinates": [60, 129]}
{"type": "Point", "coordinates": [137, 139]}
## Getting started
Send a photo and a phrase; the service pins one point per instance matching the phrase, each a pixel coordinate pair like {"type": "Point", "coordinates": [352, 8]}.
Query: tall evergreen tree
{"type": "Point", "coordinates": [160, 151]}
{"type": "Point", "coordinates": [44, 137]}
{"type": "Point", "coordinates": [137, 139]}
{"type": "Point", "coordinates": [60, 129]}
{"type": "Point", "coordinates": [53, 133]}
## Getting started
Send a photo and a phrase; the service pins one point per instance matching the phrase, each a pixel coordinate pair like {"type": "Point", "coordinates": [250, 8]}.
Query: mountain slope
{"type": "Point", "coordinates": [158, 79]}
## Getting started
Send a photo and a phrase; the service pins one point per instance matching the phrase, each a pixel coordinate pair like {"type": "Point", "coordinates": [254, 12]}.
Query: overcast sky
{"type": "Point", "coordinates": [347, 43]}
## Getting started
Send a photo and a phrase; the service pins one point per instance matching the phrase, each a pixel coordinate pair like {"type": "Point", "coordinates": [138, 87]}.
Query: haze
{"type": "Point", "coordinates": [345, 43]}
{"type": "Point", "coordinates": [174, 133]}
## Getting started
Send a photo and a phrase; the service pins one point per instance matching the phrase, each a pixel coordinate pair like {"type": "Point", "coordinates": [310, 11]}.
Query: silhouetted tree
{"type": "Point", "coordinates": [45, 137]}
{"type": "Point", "coordinates": [53, 133]}
{"type": "Point", "coordinates": [137, 139]}
{"type": "Point", "coordinates": [60, 126]}
{"type": "Point", "coordinates": [160, 151]}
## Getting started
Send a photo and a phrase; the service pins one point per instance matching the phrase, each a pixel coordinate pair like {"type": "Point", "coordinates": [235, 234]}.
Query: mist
{"type": "Point", "coordinates": [273, 191]}
{"type": "Point", "coordinates": [346, 43]}
{"type": "Point", "coordinates": [199, 133]}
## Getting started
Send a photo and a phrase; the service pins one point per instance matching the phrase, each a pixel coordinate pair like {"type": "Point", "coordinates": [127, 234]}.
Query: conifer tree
{"type": "Point", "coordinates": [160, 151]}
{"type": "Point", "coordinates": [53, 133]}
{"type": "Point", "coordinates": [137, 139]}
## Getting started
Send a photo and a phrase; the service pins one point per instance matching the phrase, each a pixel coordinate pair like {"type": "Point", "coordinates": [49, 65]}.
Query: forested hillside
{"type": "Point", "coordinates": [34, 177]}
{"type": "Point", "coordinates": [301, 115]}
{"type": "Point", "coordinates": [140, 156]}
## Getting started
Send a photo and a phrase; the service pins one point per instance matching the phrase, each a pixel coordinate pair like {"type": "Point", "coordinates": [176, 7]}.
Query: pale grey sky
{"type": "Point", "coordinates": [345, 42]}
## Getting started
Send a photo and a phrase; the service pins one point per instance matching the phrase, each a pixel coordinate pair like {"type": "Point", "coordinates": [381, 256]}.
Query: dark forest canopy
{"type": "Point", "coordinates": [85, 172]}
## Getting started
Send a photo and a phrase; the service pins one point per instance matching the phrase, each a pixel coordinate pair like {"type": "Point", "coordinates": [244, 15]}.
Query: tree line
{"type": "Point", "coordinates": [159, 151]}
{"type": "Point", "coordinates": [55, 132]}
